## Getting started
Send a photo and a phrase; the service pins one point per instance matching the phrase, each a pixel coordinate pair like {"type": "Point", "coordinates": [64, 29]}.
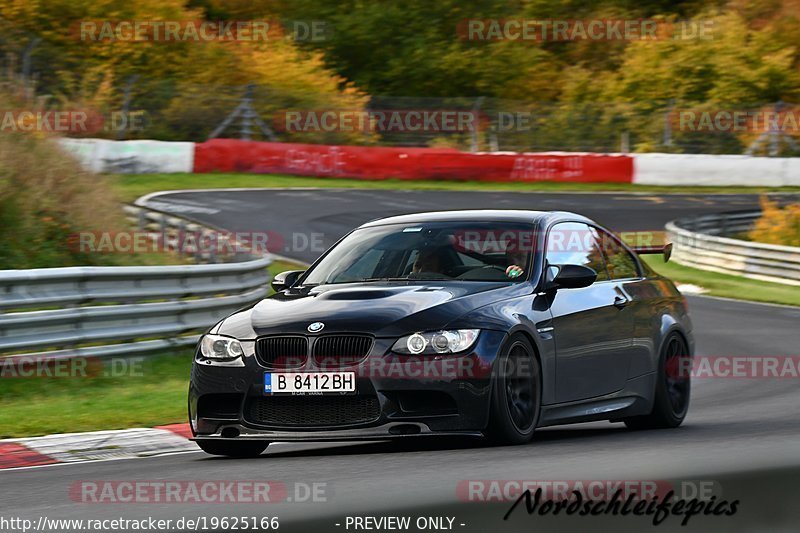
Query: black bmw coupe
{"type": "Point", "coordinates": [487, 323]}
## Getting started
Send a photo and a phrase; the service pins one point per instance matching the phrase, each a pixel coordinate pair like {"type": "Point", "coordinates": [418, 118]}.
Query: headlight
{"type": "Point", "coordinates": [436, 342]}
{"type": "Point", "coordinates": [219, 347]}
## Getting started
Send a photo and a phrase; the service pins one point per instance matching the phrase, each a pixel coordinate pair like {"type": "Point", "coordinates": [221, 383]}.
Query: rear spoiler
{"type": "Point", "coordinates": [665, 249]}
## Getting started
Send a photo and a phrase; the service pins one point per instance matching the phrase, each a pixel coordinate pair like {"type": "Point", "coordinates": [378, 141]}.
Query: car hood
{"type": "Point", "coordinates": [384, 310]}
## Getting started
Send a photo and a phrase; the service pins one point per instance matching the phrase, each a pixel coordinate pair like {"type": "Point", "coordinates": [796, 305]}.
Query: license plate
{"type": "Point", "coordinates": [312, 382]}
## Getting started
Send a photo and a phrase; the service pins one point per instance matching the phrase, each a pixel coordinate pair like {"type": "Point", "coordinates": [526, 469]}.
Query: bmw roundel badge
{"type": "Point", "coordinates": [315, 327]}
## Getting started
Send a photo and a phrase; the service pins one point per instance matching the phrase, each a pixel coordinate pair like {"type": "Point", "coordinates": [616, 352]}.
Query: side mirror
{"type": "Point", "coordinates": [284, 280]}
{"type": "Point", "coordinates": [572, 277]}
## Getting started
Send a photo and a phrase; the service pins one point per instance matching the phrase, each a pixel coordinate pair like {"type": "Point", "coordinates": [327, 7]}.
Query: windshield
{"type": "Point", "coordinates": [496, 251]}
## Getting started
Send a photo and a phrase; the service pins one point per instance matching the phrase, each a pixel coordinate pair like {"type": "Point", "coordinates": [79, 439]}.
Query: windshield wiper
{"type": "Point", "coordinates": [383, 279]}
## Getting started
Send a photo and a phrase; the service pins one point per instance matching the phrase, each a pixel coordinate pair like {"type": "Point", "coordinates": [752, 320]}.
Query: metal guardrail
{"type": "Point", "coordinates": [171, 230]}
{"type": "Point", "coordinates": [705, 242]}
{"type": "Point", "coordinates": [134, 303]}
{"type": "Point", "coordinates": [105, 311]}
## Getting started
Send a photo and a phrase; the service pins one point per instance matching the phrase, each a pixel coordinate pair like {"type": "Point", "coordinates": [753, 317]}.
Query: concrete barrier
{"type": "Point", "coordinates": [380, 162]}
{"type": "Point", "coordinates": [131, 157]}
{"type": "Point", "coordinates": [702, 169]}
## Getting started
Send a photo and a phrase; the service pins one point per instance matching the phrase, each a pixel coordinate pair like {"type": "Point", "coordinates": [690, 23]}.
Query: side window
{"type": "Point", "coordinates": [576, 244]}
{"type": "Point", "coordinates": [621, 264]}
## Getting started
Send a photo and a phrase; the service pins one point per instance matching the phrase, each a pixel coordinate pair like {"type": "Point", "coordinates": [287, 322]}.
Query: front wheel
{"type": "Point", "coordinates": [516, 394]}
{"type": "Point", "coordinates": [233, 448]}
{"type": "Point", "coordinates": [673, 388]}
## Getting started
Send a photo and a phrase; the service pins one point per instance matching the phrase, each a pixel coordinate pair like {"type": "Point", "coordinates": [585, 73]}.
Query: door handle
{"type": "Point", "coordinates": [620, 302]}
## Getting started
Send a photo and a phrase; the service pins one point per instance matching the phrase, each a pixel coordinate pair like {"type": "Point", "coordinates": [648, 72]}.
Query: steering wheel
{"type": "Point", "coordinates": [501, 273]}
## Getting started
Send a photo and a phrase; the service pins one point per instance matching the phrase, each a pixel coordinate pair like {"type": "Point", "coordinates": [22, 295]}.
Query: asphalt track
{"type": "Point", "coordinates": [741, 434]}
{"type": "Point", "coordinates": [301, 215]}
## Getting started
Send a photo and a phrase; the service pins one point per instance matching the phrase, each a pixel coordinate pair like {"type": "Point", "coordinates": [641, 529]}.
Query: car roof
{"type": "Point", "coordinates": [480, 215]}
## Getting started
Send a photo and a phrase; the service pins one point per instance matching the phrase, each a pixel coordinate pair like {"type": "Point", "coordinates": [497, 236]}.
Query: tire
{"type": "Point", "coordinates": [233, 448]}
{"type": "Point", "coordinates": [516, 396]}
{"type": "Point", "coordinates": [673, 389]}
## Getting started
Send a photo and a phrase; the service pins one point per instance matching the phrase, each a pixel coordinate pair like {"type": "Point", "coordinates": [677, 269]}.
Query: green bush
{"type": "Point", "coordinates": [46, 198]}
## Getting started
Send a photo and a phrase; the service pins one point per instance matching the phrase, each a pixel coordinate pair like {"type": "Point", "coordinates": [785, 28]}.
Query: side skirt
{"type": "Point", "coordinates": [635, 399]}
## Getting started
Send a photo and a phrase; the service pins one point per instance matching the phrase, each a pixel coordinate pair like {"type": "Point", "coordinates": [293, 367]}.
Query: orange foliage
{"type": "Point", "coordinates": [777, 225]}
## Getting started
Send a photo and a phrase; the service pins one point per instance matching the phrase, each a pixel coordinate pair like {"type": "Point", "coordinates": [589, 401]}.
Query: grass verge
{"type": "Point", "coordinates": [146, 393]}
{"type": "Point", "coordinates": [131, 187]}
{"type": "Point", "coordinates": [727, 286]}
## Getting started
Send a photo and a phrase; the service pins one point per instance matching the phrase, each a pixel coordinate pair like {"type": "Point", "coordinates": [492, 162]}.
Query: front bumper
{"type": "Point", "coordinates": [422, 396]}
{"type": "Point", "coordinates": [392, 430]}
